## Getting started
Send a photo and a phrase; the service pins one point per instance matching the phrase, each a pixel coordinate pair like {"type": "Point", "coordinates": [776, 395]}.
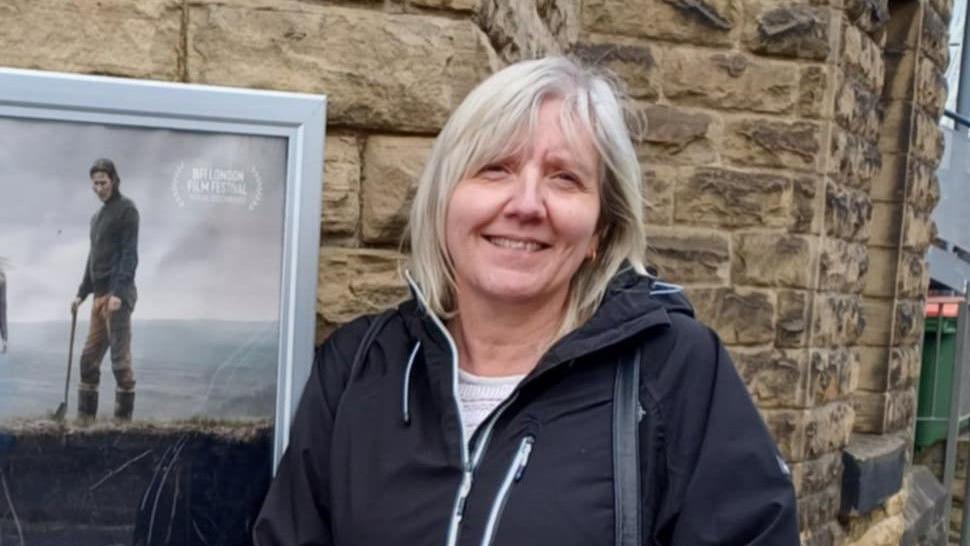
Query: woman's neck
{"type": "Point", "coordinates": [498, 339]}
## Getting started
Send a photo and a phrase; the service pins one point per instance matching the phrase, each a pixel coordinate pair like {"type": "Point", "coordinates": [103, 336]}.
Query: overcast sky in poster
{"type": "Point", "coordinates": [197, 259]}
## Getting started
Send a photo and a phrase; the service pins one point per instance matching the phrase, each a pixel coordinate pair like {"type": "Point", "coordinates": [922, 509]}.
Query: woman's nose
{"type": "Point", "coordinates": [527, 200]}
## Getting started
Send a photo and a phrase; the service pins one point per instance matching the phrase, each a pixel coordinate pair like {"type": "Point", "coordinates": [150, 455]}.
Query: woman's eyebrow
{"type": "Point", "coordinates": [565, 159]}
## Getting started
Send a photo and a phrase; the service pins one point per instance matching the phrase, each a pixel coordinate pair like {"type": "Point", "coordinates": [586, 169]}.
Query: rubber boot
{"type": "Point", "coordinates": [124, 405]}
{"type": "Point", "coordinates": [87, 406]}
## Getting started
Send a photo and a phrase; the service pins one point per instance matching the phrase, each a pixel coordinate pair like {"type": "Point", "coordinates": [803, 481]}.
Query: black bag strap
{"type": "Point", "coordinates": [368, 339]}
{"type": "Point", "coordinates": [626, 451]}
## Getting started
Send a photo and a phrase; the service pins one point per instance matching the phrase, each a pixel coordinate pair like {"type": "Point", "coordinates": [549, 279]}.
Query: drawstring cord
{"type": "Point", "coordinates": [406, 414]}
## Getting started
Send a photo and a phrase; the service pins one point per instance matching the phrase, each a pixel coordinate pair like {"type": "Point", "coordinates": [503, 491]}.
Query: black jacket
{"type": "Point", "coordinates": [113, 257]}
{"type": "Point", "coordinates": [375, 455]}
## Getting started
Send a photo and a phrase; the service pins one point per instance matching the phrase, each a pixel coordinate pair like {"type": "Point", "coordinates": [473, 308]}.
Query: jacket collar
{"type": "Point", "coordinates": [628, 308]}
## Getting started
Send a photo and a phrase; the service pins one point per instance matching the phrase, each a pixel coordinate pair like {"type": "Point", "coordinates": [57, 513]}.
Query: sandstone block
{"type": "Point", "coordinates": [934, 37]}
{"type": "Point", "coordinates": [881, 275]}
{"type": "Point", "coordinates": [814, 92]}
{"type": "Point", "coordinates": [888, 184]}
{"type": "Point", "coordinates": [887, 219]}
{"type": "Point", "coordinates": [897, 126]}
{"type": "Point", "coordinates": [739, 316]}
{"type": "Point", "coordinates": [944, 9]}
{"type": "Point", "coordinates": [855, 160]}
{"type": "Point", "coordinates": [773, 143]}
{"type": "Point", "coordinates": [809, 434]}
{"type": "Point", "coordinates": [817, 474]}
{"type": "Point", "coordinates": [357, 281]}
{"type": "Point", "coordinates": [869, 15]}
{"type": "Point", "coordinates": [392, 166]}
{"type": "Point", "coordinates": [900, 66]}
{"type": "Point", "coordinates": [878, 314]}
{"type": "Point", "coordinates": [729, 81]}
{"type": "Point", "coordinates": [791, 327]}
{"type": "Point", "coordinates": [857, 109]}
{"type": "Point", "coordinates": [688, 257]}
{"type": "Point", "coordinates": [928, 143]}
{"type": "Point", "coordinates": [457, 5]}
{"type": "Point", "coordinates": [677, 136]}
{"type": "Point", "coordinates": [730, 198]}
{"type": "Point", "coordinates": [772, 259]}
{"type": "Point", "coordinates": [341, 186]}
{"type": "Point", "coordinates": [833, 374]}
{"type": "Point", "coordinates": [634, 62]}
{"type": "Point", "coordinates": [878, 413]}
{"type": "Point", "coordinates": [931, 87]}
{"type": "Point", "coordinates": [848, 213]}
{"type": "Point", "coordinates": [871, 411]}
{"type": "Point", "coordinates": [862, 57]}
{"type": "Point", "coordinates": [839, 320]}
{"type": "Point", "coordinates": [904, 367]}
{"type": "Point", "coordinates": [527, 30]}
{"type": "Point", "coordinates": [843, 266]}
{"type": "Point", "coordinates": [902, 410]}
{"type": "Point", "coordinates": [707, 22]}
{"type": "Point", "coordinates": [774, 378]}
{"type": "Point", "coordinates": [874, 364]}
{"type": "Point", "coordinates": [817, 509]}
{"type": "Point", "coordinates": [808, 203]}
{"type": "Point", "coordinates": [923, 186]}
{"type": "Point", "coordinates": [379, 70]}
{"type": "Point", "coordinates": [132, 39]}
{"type": "Point", "coordinates": [909, 322]}
{"type": "Point", "coordinates": [887, 532]}
{"type": "Point", "coordinates": [918, 230]}
{"type": "Point", "coordinates": [790, 30]}
{"type": "Point", "coordinates": [829, 534]}
{"type": "Point", "coordinates": [658, 190]}
{"type": "Point", "coordinates": [913, 279]}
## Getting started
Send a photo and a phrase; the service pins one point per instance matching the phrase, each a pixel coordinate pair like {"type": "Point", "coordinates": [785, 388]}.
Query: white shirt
{"type": "Point", "coordinates": [480, 395]}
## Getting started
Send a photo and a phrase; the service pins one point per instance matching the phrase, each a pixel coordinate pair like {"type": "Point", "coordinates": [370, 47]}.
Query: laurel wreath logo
{"type": "Point", "coordinates": [258, 197]}
{"type": "Point", "coordinates": [175, 185]}
{"type": "Point", "coordinates": [253, 203]}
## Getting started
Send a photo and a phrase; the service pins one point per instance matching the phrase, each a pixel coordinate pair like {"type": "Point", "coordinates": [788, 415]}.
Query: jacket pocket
{"type": "Point", "coordinates": [512, 476]}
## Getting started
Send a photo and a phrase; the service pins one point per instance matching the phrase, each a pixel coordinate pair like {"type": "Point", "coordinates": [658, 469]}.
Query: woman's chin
{"type": "Point", "coordinates": [516, 294]}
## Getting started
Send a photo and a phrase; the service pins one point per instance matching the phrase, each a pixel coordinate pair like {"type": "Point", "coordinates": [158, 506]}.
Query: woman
{"type": "Point", "coordinates": [482, 411]}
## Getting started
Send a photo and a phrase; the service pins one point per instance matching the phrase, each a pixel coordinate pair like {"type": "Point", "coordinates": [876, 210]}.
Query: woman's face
{"type": "Point", "coordinates": [519, 229]}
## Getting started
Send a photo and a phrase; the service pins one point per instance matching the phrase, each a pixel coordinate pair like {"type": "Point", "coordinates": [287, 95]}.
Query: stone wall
{"type": "Point", "coordinates": [788, 162]}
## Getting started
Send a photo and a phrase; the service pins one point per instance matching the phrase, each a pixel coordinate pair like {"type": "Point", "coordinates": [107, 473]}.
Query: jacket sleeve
{"type": "Point", "coordinates": [296, 511]}
{"type": "Point", "coordinates": [123, 273]}
{"type": "Point", "coordinates": [86, 285]}
{"type": "Point", "coordinates": [728, 482]}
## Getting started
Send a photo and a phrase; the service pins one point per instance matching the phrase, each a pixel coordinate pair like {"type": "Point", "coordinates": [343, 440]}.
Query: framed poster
{"type": "Point", "coordinates": [158, 265]}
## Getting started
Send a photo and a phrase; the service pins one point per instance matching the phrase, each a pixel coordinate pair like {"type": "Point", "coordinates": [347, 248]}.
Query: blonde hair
{"type": "Point", "coordinates": [494, 120]}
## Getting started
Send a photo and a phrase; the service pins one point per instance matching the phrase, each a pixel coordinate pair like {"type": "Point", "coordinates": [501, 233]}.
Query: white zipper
{"type": "Point", "coordinates": [513, 475]}
{"type": "Point", "coordinates": [487, 431]}
{"type": "Point", "coordinates": [468, 465]}
{"type": "Point", "coordinates": [466, 469]}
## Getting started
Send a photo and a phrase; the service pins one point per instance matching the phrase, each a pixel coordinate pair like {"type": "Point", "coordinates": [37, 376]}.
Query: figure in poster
{"type": "Point", "coordinates": [110, 276]}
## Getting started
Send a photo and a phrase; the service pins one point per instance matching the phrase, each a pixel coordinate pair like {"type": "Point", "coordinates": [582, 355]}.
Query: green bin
{"type": "Point", "coordinates": [936, 380]}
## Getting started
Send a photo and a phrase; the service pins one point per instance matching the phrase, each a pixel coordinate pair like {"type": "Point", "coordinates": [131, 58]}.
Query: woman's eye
{"type": "Point", "coordinates": [568, 177]}
{"type": "Point", "coordinates": [494, 170]}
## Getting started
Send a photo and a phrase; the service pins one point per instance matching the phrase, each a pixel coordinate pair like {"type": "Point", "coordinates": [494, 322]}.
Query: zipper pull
{"type": "Point", "coordinates": [523, 456]}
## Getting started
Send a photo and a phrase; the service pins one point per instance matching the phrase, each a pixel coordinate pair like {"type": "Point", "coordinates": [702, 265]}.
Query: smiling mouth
{"type": "Point", "coordinates": [517, 244]}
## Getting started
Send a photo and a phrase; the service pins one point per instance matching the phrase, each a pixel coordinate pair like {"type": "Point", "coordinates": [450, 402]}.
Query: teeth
{"type": "Point", "coordinates": [514, 244]}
